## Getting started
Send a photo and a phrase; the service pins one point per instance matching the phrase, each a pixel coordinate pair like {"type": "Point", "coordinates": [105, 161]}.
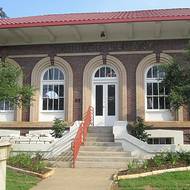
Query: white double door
{"type": "Point", "coordinates": [105, 103]}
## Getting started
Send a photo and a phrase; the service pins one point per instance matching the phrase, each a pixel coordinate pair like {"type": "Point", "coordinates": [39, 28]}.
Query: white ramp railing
{"type": "Point", "coordinates": [64, 143]}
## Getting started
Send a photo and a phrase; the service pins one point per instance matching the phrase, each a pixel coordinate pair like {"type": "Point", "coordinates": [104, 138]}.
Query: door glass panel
{"type": "Point", "coordinates": [99, 100]}
{"type": "Point", "coordinates": [111, 99]}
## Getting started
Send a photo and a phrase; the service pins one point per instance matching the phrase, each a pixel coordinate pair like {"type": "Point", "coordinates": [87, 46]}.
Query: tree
{"type": "Point", "coordinates": [2, 13]}
{"type": "Point", "coordinates": [138, 129]}
{"type": "Point", "coordinates": [177, 81]}
{"type": "Point", "coordinates": [10, 90]}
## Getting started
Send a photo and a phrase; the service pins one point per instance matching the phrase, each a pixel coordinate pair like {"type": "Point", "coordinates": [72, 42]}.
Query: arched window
{"type": "Point", "coordinates": [156, 94]}
{"type": "Point", "coordinates": [105, 72]}
{"type": "Point", "coordinates": [53, 90]}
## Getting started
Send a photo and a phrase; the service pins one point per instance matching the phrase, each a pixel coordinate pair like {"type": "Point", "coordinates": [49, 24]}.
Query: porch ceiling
{"type": "Point", "coordinates": [92, 33]}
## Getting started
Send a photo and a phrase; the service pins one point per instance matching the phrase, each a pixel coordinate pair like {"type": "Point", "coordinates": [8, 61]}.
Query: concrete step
{"type": "Point", "coordinates": [100, 130]}
{"type": "Point", "coordinates": [104, 159]}
{"type": "Point", "coordinates": [113, 165]}
{"type": "Point", "coordinates": [89, 143]}
{"type": "Point", "coordinates": [100, 139]}
{"type": "Point", "coordinates": [104, 153]}
{"type": "Point", "coordinates": [101, 148]}
{"type": "Point", "coordinates": [100, 135]}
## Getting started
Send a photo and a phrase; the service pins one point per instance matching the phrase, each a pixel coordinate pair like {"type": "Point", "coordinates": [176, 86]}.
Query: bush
{"type": "Point", "coordinates": [138, 129]}
{"type": "Point", "coordinates": [26, 161]}
{"type": "Point", "coordinates": [58, 128]}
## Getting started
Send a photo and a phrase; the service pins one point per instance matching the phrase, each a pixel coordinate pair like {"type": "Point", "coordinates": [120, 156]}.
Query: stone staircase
{"type": "Point", "coordinates": [100, 151]}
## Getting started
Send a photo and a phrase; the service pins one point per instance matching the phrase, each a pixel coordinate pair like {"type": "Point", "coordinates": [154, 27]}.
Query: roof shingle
{"type": "Point", "coordinates": [97, 18]}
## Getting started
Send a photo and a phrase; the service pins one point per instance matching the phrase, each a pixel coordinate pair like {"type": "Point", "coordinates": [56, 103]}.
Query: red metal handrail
{"type": "Point", "coordinates": [81, 135]}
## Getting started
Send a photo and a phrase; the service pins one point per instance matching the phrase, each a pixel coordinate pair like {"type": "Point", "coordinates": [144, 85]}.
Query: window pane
{"type": "Point", "coordinates": [155, 88]}
{"type": "Point", "coordinates": [102, 72]}
{"type": "Point", "coordinates": [99, 99]}
{"type": "Point", "coordinates": [44, 104]}
{"type": "Point", "coordinates": [161, 89]}
{"type": "Point", "coordinates": [45, 76]}
{"type": "Point", "coordinates": [97, 73]}
{"type": "Point", "coordinates": [113, 73]}
{"type": "Point", "coordinates": [162, 141]}
{"type": "Point", "coordinates": [111, 99]}
{"type": "Point", "coordinates": [167, 103]}
{"type": "Point", "coordinates": [61, 76]}
{"type": "Point", "coordinates": [56, 74]}
{"type": "Point", "coordinates": [56, 89]}
{"type": "Point", "coordinates": [56, 104]}
{"type": "Point", "coordinates": [61, 91]}
{"type": "Point", "coordinates": [155, 72]}
{"type": "Point", "coordinates": [149, 74]}
{"type": "Point", "coordinates": [168, 141]}
{"type": "Point", "coordinates": [149, 88]}
{"type": "Point", "coordinates": [51, 74]}
{"type": "Point", "coordinates": [161, 102]}
{"type": "Point", "coordinates": [7, 105]}
{"type": "Point", "coordinates": [167, 91]}
{"type": "Point", "coordinates": [61, 104]}
{"type": "Point", "coordinates": [150, 141]}
{"type": "Point", "coordinates": [108, 72]}
{"type": "Point", "coordinates": [155, 103]}
{"type": "Point", "coordinates": [149, 103]}
{"type": "Point", "coordinates": [45, 90]}
{"type": "Point", "coordinates": [50, 104]}
{"type": "Point", "coordinates": [156, 141]}
{"type": "Point", "coordinates": [161, 73]}
{"type": "Point", "coordinates": [2, 105]}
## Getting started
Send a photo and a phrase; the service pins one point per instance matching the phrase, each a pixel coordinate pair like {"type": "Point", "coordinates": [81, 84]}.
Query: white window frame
{"type": "Point", "coordinates": [6, 111]}
{"type": "Point", "coordinates": [51, 82]}
{"type": "Point", "coordinates": [152, 80]}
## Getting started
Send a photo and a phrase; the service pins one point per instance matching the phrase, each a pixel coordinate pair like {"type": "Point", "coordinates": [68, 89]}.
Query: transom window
{"type": "Point", "coordinates": [105, 72]}
{"type": "Point", "coordinates": [6, 106]}
{"type": "Point", "coordinates": [53, 90]}
{"type": "Point", "coordinates": [156, 94]}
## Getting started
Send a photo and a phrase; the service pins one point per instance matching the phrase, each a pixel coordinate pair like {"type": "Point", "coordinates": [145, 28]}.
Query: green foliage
{"type": "Point", "coordinates": [58, 128]}
{"type": "Point", "coordinates": [133, 165]}
{"type": "Point", "coordinates": [26, 161]}
{"type": "Point", "coordinates": [10, 89]}
{"type": "Point", "coordinates": [177, 81]}
{"type": "Point", "coordinates": [138, 129]}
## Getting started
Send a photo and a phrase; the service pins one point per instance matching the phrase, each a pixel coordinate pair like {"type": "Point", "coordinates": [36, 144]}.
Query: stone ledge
{"type": "Point", "coordinates": [43, 176]}
{"type": "Point", "coordinates": [133, 176]}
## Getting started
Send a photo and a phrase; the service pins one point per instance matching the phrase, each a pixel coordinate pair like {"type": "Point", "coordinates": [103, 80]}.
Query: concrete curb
{"type": "Point", "coordinates": [43, 176]}
{"type": "Point", "coordinates": [133, 176]}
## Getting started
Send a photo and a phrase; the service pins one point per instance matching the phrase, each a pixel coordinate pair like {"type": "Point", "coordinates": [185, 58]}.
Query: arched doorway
{"type": "Point", "coordinates": [105, 96]}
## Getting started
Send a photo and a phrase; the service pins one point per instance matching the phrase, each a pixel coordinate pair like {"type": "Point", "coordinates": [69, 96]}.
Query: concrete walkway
{"type": "Point", "coordinates": [77, 179]}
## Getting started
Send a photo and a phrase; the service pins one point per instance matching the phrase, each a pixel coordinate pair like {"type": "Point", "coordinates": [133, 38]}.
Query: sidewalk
{"type": "Point", "coordinates": [77, 179]}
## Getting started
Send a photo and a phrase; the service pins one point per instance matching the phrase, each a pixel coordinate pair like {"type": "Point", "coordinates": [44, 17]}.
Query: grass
{"type": "Point", "coordinates": [18, 181]}
{"type": "Point", "coordinates": [167, 181]}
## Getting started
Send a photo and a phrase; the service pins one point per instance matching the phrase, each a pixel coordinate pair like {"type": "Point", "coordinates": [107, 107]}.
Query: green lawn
{"type": "Point", "coordinates": [167, 181]}
{"type": "Point", "coordinates": [18, 181]}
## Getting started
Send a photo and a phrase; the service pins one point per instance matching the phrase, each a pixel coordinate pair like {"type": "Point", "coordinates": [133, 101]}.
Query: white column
{"type": "Point", "coordinates": [4, 151]}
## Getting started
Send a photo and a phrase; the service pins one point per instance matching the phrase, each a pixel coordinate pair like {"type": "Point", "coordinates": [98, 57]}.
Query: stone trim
{"type": "Point", "coordinates": [140, 80]}
{"type": "Point", "coordinates": [36, 82]}
{"type": "Point", "coordinates": [92, 65]}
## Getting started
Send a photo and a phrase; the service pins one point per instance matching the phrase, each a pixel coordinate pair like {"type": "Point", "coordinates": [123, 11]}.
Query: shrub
{"type": "Point", "coordinates": [58, 128]}
{"type": "Point", "coordinates": [26, 161]}
{"type": "Point", "coordinates": [138, 129]}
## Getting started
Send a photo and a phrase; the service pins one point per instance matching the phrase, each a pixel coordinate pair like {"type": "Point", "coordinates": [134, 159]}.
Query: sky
{"type": "Point", "coordinates": [20, 8]}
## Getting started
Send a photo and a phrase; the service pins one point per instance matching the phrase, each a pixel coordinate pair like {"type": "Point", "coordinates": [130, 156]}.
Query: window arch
{"type": "Point", "coordinates": [156, 93]}
{"type": "Point", "coordinates": [53, 89]}
{"type": "Point", "coordinates": [105, 72]}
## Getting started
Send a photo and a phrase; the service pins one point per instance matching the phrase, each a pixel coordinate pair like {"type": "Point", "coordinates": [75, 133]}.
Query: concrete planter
{"type": "Point", "coordinates": [43, 176]}
{"type": "Point", "coordinates": [133, 176]}
{"type": "Point", "coordinates": [4, 153]}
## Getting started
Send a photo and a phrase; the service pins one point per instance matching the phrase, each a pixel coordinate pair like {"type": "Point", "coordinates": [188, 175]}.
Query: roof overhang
{"type": "Point", "coordinates": [130, 31]}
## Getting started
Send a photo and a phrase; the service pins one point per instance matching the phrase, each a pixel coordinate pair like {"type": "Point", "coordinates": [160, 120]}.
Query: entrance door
{"type": "Point", "coordinates": [105, 104]}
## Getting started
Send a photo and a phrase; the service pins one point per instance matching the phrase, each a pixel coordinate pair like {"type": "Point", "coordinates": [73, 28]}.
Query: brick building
{"type": "Point", "coordinates": [106, 60]}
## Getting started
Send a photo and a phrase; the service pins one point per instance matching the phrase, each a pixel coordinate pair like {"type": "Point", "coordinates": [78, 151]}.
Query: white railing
{"type": "Point", "coordinates": [64, 143]}
{"type": "Point", "coordinates": [139, 148]}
